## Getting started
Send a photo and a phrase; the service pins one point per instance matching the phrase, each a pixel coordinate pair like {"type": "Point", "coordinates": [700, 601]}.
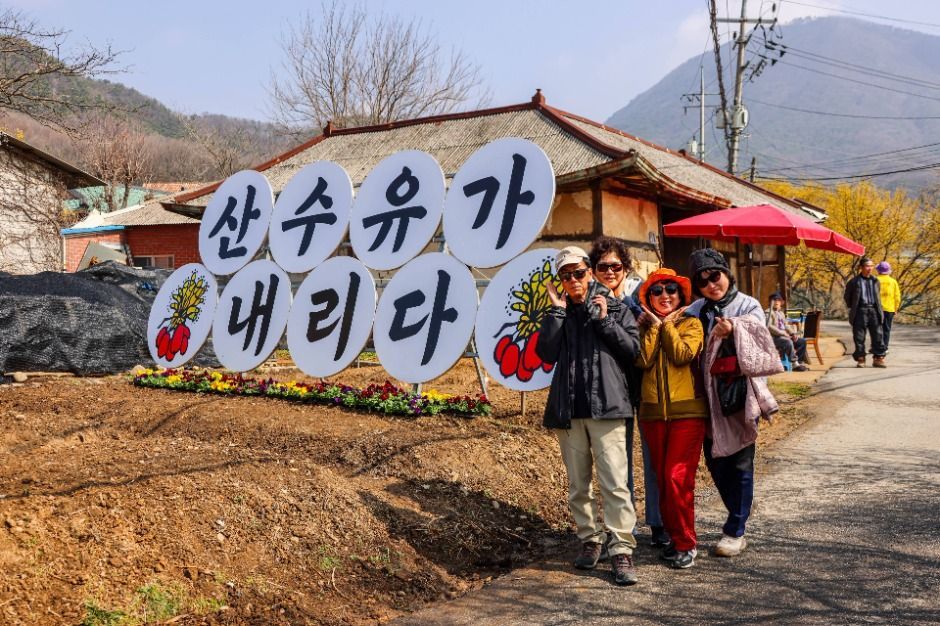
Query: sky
{"type": "Point", "coordinates": [589, 57]}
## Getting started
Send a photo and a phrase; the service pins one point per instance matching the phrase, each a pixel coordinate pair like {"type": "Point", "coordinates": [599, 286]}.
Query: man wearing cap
{"type": "Point", "coordinates": [863, 300]}
{"type": "Point", "coordinates": [890, 298]}
{"type": "Point", "coordinates": [590, 335]}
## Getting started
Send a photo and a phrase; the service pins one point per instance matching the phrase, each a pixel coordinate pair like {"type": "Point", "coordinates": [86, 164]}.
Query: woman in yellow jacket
{"type": "Point", "coordinates": [672, 413]}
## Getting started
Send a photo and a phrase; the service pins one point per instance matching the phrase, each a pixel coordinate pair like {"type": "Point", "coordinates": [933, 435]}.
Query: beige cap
{"type": "Point", "coordinates": [569, 255]}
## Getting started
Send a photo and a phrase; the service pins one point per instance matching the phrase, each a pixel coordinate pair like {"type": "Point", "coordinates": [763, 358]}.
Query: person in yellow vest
{"type": "Point", "coordinates": [890, 298]}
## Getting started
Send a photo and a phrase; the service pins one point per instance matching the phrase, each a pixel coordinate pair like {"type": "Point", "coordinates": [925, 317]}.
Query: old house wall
{"type": "Point", "coordinates": [31, 215]}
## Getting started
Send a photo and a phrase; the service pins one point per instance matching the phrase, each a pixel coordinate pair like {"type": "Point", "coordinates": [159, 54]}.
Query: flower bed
{"type": "Point", "coordinates": [385, 398]}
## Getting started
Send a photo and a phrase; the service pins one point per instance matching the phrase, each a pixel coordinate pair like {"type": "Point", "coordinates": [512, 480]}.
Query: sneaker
{"type": "Point", "coordinates": [730, 546]}
{"type": "Point", "coordinates": [669, 552]}
{"type": "Point", "coordinates": [860, 362]}
{"type": "Point", "coordinates": [878, 361]}
{"type": "Point", "coordinates": [799, 367]}
{"type": "Point", "coordinates": [684, 559]}
{"type": "Point", "coordinates": [621, 566]}
{"type": "Point", "coordinates": [659, 537]}
{"type": "Point", "coordinates": [589, 556]}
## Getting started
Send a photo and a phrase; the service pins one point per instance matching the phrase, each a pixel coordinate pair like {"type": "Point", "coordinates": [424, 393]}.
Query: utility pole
{"type": "Point", "coordinates": [738, 113]}
{"type": "Point", "coordinates": [698, 149]}
{"type": "Point", "coordinates": [701, 119]}
{"type": "Point", "coordinates": [736, 119]}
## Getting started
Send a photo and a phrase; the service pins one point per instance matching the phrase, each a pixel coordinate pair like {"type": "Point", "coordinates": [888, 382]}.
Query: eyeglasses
{"type": "Point", "coordinates": [714, 277]}
{"type": "Point", "coordinates": [609, 267]}
{"type": "Point", "coordinates": [577, 274]}
{"type": "Point", "coordinates": [670, 288]}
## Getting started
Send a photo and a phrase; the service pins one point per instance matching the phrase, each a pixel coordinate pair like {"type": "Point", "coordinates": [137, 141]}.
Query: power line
{"type": "Point", "coordinates": [898, 154]}
{"type": "Point", "coordinates": [848, 115]}
{"type": "Point", "coordinates": [918, 168]}
{"type": "Point", "coordinates": [858, 82]}
{"type": "Point", "coordinates": [782, 49]}
{"type": "Point", "coordinates": [859, 13]}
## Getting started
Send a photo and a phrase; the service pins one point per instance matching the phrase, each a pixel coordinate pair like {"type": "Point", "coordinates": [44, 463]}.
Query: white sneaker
{"type": "Point", "coordinates": [730, 546]}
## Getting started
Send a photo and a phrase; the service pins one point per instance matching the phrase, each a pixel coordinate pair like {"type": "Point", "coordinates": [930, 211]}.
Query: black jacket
{"type": "Point", "coordinates": [853, 295]}
{"type": "Point", "coordinates": [612, 345]}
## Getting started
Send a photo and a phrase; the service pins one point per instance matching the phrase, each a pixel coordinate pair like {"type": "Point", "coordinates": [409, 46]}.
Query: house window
{"type": "Point", "coordinates": [162, 262]}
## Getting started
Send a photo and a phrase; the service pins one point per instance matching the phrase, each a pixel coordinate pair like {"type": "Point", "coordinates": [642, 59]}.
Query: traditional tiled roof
{"type": "Point", "coordinates": [576, 146]}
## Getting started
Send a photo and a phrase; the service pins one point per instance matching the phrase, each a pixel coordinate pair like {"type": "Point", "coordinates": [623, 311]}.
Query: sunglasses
{"type": "Point", "coordinates": [609, 267]}
{"type": "Point", "coordinates": [714, 277]}
{"type": "Point", "coordinates": [578, 274]}
{"type": "Point", "coordinates": [670, 288]}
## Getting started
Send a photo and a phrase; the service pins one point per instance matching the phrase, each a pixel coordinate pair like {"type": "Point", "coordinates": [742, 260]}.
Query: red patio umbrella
{"type": "Point", "coordinates": [763, 224]}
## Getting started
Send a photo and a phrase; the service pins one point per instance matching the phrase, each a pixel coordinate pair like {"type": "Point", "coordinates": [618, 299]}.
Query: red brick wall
{"type": "Point", "coordinates": [180, 240]}
{"type": "Point", "coordinates": [75, 245]}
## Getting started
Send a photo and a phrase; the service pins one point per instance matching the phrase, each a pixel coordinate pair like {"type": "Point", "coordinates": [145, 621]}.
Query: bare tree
{"type": "Point", "coordinates": [351, 68]}
{"type": "Point", "coordinates": [227, 150]}
{"type": "Point", "coordinates": [116, 151]}
{"type": "Point", "coordinates": [31, 214]}
{"type": "Point", "coordinates": [35, 77]}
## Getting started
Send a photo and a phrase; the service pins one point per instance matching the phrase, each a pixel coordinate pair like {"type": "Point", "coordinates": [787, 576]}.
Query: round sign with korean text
{"type": "Point", "coordinates": [181, 315]}
{"type": "Point", "coordinates": [251, 315]}
{"type": "Point", "coordinates": [397, 210]}
{"type": "Point", "coordinates": [235, 222]}
{"type": "Point", "coordinates": [310, 217]}
{"type": "Point", "coordinates": [508, 321]}
{"type": "Point", "coordinates": [498, 202]}
{"type": "Point", "coordinates": [425, 317]}
{"type": "Point", "coordinates": [331, 317]}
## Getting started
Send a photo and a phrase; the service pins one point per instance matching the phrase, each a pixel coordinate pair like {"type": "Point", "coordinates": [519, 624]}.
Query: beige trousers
{"type": "Point", "coordinates": [599, 444]}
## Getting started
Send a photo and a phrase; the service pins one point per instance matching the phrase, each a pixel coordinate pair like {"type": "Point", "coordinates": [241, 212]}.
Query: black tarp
{"type": "Point", "coordinates": [89, 322]}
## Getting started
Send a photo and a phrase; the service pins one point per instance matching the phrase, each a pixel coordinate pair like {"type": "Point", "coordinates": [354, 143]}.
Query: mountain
{"type": "Point", "coordinates": [175, 155]}
{"type": "Point", "coordinates": [847, 72]}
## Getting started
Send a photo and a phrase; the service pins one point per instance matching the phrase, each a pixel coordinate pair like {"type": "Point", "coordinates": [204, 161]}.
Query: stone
{"type": "Point", "coordinates": [20, 377]}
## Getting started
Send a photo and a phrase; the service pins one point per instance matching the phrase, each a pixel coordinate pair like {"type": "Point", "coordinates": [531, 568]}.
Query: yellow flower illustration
{"type": "Point", "coordinates": [187, 300]}
{"type": "Point", "coordinates": [532, 300]}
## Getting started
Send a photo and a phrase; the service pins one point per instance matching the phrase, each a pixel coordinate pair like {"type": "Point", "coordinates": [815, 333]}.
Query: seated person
{"type": "Point", "coordinates": [789, 344]}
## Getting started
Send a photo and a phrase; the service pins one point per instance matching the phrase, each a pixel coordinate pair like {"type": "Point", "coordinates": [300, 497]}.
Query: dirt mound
{"type": "Point", "coordinates": [129, 505]}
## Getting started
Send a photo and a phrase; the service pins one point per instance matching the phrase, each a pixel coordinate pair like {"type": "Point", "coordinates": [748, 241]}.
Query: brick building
{"type": "Point", "coordinates": [148, 235]}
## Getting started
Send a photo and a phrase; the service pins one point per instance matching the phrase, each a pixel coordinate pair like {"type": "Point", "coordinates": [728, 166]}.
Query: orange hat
{"type": "Point", "coordinates": [665, 275]}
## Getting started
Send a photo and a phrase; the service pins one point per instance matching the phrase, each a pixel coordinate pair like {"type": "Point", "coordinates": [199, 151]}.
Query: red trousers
{"type": "Point", "coordinates": [675, 447]}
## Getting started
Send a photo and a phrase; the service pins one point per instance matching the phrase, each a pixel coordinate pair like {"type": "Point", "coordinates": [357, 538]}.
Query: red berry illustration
{"type": "Point", "coordinates": [163, 342]}
{"type": "Point", "coordinates": [510, 360]}
{"type": "Point", "coordinates": [501, 345]}
{"type": "Point", "coordinates": [548, 366]}
{"type": "Point", "coordinates": [523, 374]}
{"type": "Point", "coordinates": [184, 341]}
{"type": "Point", "coordinates": [530, 360]}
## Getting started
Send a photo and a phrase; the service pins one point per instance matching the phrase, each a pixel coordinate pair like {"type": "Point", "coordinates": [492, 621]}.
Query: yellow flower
{"type": "Point", "coordinates": [175, 378]}
{"type": "Point", "coordinates": [434, 395]}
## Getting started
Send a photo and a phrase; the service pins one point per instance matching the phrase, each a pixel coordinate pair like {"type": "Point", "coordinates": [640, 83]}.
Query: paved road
{"type": "Point", "coordinates": [846, 528]}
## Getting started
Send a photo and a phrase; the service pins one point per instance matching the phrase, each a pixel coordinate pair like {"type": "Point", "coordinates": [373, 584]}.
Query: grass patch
{"type": "Point", "coordinates": [157, 603]}
{"type": "Point", "coordinates": [99, 616]}
{"type": "Point", "coordinates": [797, 391]}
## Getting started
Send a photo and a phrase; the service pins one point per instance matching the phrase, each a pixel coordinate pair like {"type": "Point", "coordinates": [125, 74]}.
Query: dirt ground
{"type": "Point", "coordinates": [121, 505]}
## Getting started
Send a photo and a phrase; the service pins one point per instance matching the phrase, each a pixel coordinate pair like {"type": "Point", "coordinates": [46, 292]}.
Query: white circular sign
{"type": "Point", "coordinates": [251, 315]}
{"type": "Point", "coordinates": [498, 202]}
{"type": "Point", "coordinates": [235, 223]}
{"type": "Point", "coordinates": [425, 318]}
{"type": "Point", "coordinates": [310, 217]}
{"type": "Point", "coordinates": [331, 317]}
{"type": "Point", "coordinates": [181, 315]}
{"type": "Point", "coordinates": [397, 210]}
{"type": "Point", "coordinates": [508, 321]}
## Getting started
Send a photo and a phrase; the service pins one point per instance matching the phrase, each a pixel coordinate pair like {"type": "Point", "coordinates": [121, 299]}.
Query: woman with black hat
{"type": "Point", "coordinates": [729, 446]}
